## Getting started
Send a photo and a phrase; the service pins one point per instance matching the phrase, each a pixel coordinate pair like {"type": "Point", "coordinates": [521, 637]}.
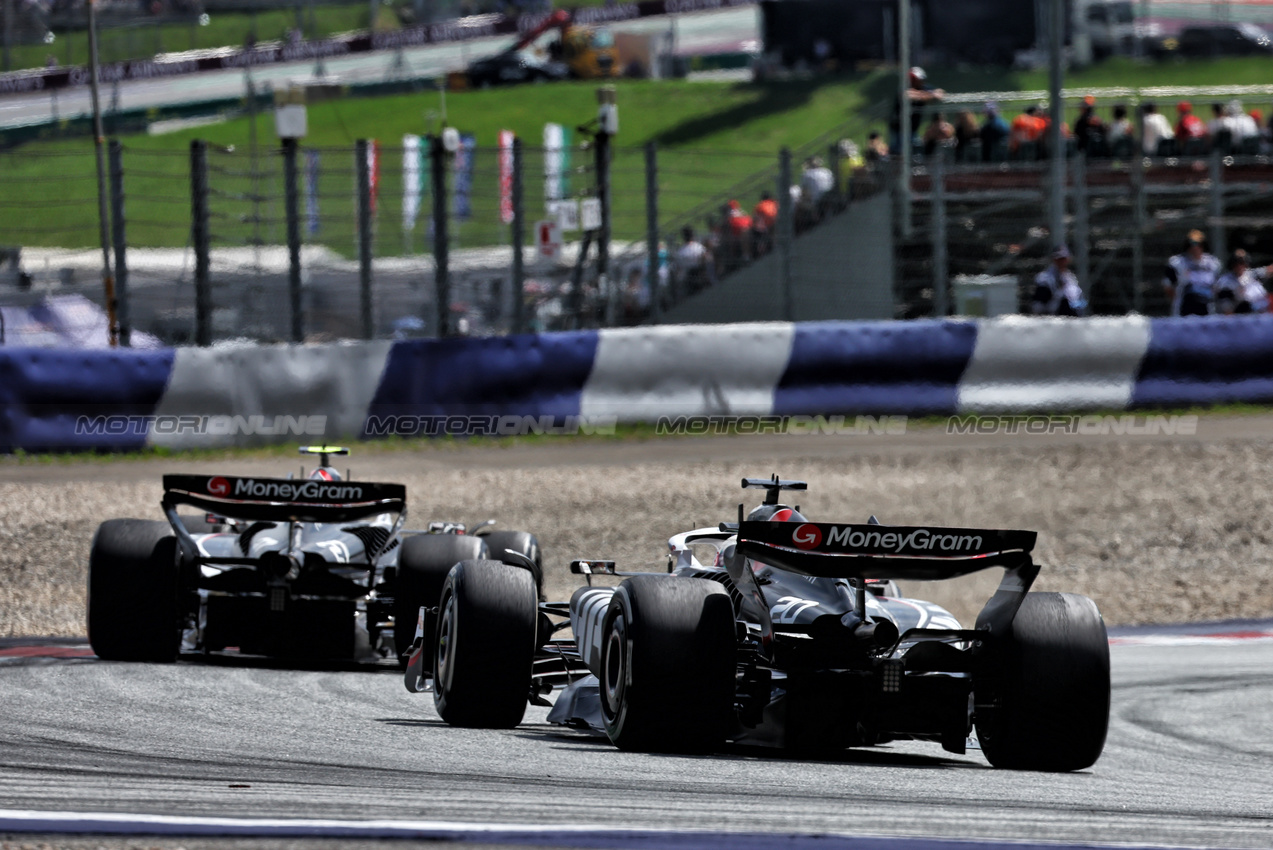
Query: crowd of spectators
{"type": "Point", "coordinates": [1197, 284]}
{"type": "Point", "coordinates": [1231, 130]}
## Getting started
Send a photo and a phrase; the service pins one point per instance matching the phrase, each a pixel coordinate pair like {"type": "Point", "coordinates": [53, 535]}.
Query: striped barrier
{"type": "Point", "coordinates": [58, 400]}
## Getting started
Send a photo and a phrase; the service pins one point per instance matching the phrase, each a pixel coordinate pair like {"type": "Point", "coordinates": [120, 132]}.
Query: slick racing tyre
{"type": "Point", "coordinates": [522, 542]}
{"type": "Point", "coordinates": [667, 664]}
{"type": "Point", "coordinates": [423, 564]}
{"type": "Point", "coordinates": [1043, 698]}
{"type": "Point", "coordinates": [485, 645]}
{"type": "Point", "coordinates": [133, 613]}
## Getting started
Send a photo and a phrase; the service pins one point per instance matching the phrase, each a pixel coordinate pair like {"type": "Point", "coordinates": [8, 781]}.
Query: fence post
{"type": "Point", "coordinates": [1217, 205]}
{"type": "Point", "coordinates": [121, 242]}
{"type": "Point", "coordinates": [291, 203]}
{"type": "Point", "coordinates": [441, 239]}
{"type": "Point", "coordinates": [1138, 243]}
{"type": "Point", "coordinates": [1082, 234]}
{"type": "Point", "coordinates": [199, 238]}
{"type": "Point", "coordinates": [364, 238]}
{"type": "Point", "coordinates": [519, 239]}
{"type": "Point", "coordinates": [652, 229]}
{"type": "Point", "coordinates": [603, 233]}
{"type": "Point", "coordinates": [786, 232]}
{"type": "Point", "coordinates": [941, 265]}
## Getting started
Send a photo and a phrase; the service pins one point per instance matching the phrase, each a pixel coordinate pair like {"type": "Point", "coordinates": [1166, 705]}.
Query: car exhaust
{"type": "Point", "coordinates": [876, 635]}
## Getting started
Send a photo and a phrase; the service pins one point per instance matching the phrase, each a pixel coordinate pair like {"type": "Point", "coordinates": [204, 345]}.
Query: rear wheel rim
{"type": "Point", "coordinates": [614, 671]}
{"type": "Point", "coordinates": [446, 643]}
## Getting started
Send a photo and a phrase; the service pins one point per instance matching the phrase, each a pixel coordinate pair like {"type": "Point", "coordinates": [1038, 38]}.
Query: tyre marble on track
{"type": "Point", "coordinates": [1187, 761]}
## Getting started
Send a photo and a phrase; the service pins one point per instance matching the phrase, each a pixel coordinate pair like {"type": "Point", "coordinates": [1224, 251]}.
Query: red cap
{"type": "Point", "coordinates": [1184, 106]}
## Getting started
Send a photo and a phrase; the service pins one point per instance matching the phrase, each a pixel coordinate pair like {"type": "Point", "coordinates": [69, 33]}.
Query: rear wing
{"type": "Point", "coordinates": [921, 553]}
{"type": "Point", "coordinates": [282, 499]}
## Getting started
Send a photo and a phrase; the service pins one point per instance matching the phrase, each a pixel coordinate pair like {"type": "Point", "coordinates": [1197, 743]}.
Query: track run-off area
{"type": "Point", "coordinates": [236, 753]}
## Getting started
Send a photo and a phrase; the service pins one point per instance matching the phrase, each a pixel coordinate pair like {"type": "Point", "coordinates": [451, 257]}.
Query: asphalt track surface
{"type": "Point", "coordinates": [1188, 762]}
{"type": "Point", "coordinates": [701, 32]}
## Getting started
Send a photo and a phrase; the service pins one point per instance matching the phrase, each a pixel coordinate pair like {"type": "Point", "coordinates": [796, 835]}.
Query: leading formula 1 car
{"type": "Point", "coordinates": [794, 634]}
{"type": "Point", "coordinates": [317, 567]}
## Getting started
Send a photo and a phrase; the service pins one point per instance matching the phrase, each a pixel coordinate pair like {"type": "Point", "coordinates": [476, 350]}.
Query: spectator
{"type": "Point", "coordinates": [939, 135]}
{"type": "Point", "coordinates": [1056, 288]}
{"type": "Point", "coordinates": [764, 221]}
{"type": "Point", "coordinates": [994, 134]}
{"type": "Point", "coordinates": [1089, 130]}
{"type": "Point", "coordinates": [1217, 122]}
{"type": "Point", "coordinates": [1119, 136]}
{"type": "Point", "coordinates": [1242, 128]}
{"type": "Point", "coordinates": [1190, 277]}
{"type": "Point", "coordinates": [919, 93]}
{"type": "Point", "coordinates": [1026, 131]}
{"type": "Point", "coordinates": [816, 185]}
{"type": "Point", "coordinates": [876, 149]}
{"type": "Point", "coordinates": [966, 132]}
{"type": "Point", "coordinates": [693, 262]}
{"type": "Point", "coordinates": [1157, 131]}
{"type": "Point", "coordinates": [1241, 289]}
{"type": "Point", "coordinates": [737, 235]}
{"type": "Point", "coordinates": [850, 163]}
{"type": "Point", "coordinates": [1191, 133]}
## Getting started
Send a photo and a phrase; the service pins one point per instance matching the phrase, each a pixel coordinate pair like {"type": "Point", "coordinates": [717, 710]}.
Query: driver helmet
{"type": "Point", "coordinates": [324, 473]}
{"type": "Point", "coordinates": [775, 513]}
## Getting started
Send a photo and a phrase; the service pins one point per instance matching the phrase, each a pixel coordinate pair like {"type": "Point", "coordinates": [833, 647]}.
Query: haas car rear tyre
{"type": "Point", "coordinates": [667, 664]}
{"type": "Point", "coordinates": [423, 565]}
{"type": "Point", "coordinates": [1043, 699]}
{"type": "Point", "coordinates": [132, 592]}
{"type": "Point", "coordinates": [485, 645]}
{"type": "Point", "coordinates": [522, 542]}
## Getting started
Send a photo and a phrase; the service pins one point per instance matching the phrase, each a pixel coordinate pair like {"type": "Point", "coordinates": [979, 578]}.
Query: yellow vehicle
{"type": "Point", "coordinates": [578, 52]}
{"type": "Point", "coordinates": [589, 53]}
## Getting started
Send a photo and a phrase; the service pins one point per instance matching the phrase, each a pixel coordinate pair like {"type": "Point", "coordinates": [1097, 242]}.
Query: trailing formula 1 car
{"type": "Point", "coordinates": [316, 567]}
{"type": "Point", "coordinates": [793, 634]}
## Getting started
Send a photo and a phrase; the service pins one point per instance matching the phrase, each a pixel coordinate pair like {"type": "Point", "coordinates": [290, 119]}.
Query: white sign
{"type": "Point", "coordinates": [566, 213]}
{"type": "Point", "coordinates": [548, 240]}
{"type": "Point", "coordinates": [590, 210]}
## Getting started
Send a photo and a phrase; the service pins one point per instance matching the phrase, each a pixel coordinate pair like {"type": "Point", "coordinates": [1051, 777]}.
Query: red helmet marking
{"type": "Point", "coordinates": [781, 516]}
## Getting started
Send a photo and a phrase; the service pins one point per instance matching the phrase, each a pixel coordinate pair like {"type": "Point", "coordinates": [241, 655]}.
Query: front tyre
{"type": "Point", "coordinates": [668, 665]}
{"type": "Point", "coordinates": [1043, 697]}
{"type": "Point", "coordinates": [423, 565]}
{"type": "Point", "coordinates": [522, 542]}
{"type": "Point", "coordinates": [133, 613]}
{"type": "Point", "coordinates": [485, 645]}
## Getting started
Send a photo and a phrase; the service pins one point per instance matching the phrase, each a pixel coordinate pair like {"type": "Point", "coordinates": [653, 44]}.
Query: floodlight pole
{"type": "Point", "coordinates": [103, 217]}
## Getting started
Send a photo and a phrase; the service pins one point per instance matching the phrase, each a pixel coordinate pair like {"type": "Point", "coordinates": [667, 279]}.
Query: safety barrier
{"type": "Point", "coordinates": [60, 400]}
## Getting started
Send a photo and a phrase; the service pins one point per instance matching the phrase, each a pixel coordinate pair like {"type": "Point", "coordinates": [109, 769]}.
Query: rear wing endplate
{"type": "Point", "coordinates": [282, 499]}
